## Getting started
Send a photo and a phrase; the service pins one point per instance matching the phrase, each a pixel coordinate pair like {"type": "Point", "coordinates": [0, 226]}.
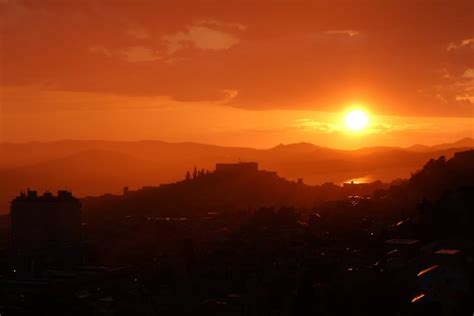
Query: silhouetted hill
{"type": "Point", "coordinates": [93, 167]}
{"type": "Point", "coordinates": [220, 191]}
{"type": "Point", "coordinates": [438, 179]}
{"type": "Point", "coordinates": [440, 175]}
{"type": "Point", "coordinates": [249, 190]}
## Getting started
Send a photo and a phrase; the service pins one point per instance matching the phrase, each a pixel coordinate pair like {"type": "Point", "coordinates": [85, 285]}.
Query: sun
{"type": "Point", "coordinates": [356, 120]}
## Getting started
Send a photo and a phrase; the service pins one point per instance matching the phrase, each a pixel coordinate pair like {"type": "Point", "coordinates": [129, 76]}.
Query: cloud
{"type": "Point", "coordinates": [325, 127]}
{"type": "Point", "coordinates": [311, 56]}
{"type": "Point", "coordinates": [138, 33]}
{"type": "Point", "coordinates": [467, 98]}
{"type": "Point", "coordinates": [100, 50]}
{"type": "Point", "coordinates": [201, 37]}
{"type": "Point", "coordinates": [468, 42]}
{"type": "Point", "coordinates": [18, 100]}
{"type": "Point", "coordinates": [132, 54]}
{"type": "Point", "coordinates": [220, 24]}
{"type": "Point", "coordinates": [385, 128]}
{"type": "Point", "coordinates": [469, 73]}
{"type": "Point", "coordinates": [315, 126]}
{"type": "Point", "coordinates": [229, 95]}
{"type": "Point", "coordinates": [135, 54]}
{"type": "Point", "coordinates": [342, 32]}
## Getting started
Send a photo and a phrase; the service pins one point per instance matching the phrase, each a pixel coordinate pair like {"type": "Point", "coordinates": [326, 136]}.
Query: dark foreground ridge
{"type": "Point", "coordinates": [241, 241]}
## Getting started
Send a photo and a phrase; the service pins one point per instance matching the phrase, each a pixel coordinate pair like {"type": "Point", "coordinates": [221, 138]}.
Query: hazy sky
{"type": "Point", "coordinates": [252, 73]}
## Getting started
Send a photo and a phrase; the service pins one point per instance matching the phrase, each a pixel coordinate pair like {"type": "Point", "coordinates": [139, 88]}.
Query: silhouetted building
{"type": "Point", "coordinates": [126, 190]}
{"type": "Point", "coordinates": [45, 228]}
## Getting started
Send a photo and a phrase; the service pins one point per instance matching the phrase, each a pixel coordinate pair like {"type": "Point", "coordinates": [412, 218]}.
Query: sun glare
{"type": "Point", "coordinates": [355, 120]}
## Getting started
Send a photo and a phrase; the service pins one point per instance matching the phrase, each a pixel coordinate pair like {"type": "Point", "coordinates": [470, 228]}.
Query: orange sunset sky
{"type": "Point", "coordinates": [242, 73]}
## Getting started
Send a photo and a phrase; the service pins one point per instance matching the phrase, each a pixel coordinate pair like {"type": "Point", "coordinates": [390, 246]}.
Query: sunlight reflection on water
{"type": "Point", "coordinates": [365, 179]}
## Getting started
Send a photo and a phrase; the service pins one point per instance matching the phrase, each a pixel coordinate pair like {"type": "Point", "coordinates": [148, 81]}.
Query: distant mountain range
{"type": "Point", "coordinates": [97, 167]}
{"type": "Point", "coordinates": [462, 143]}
